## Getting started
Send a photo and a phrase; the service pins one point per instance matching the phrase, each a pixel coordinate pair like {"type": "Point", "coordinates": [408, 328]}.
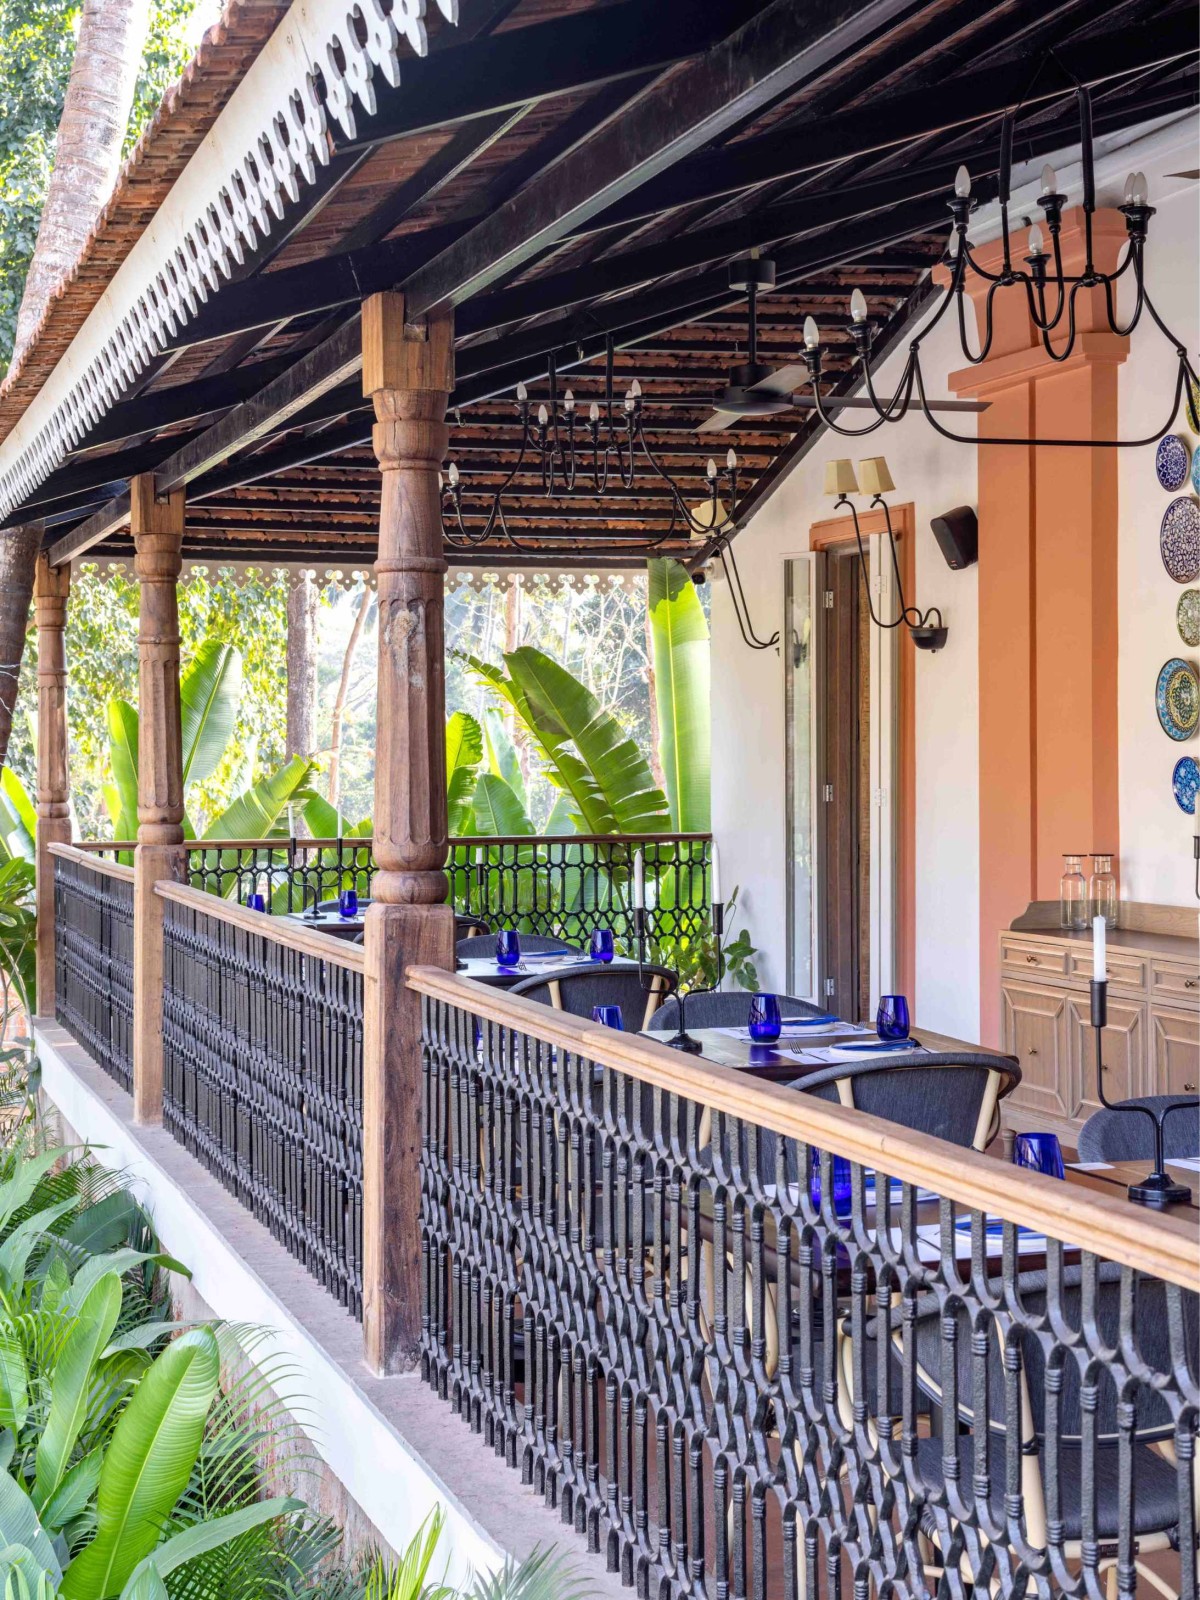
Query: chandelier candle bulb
{"type": "Point", "coordinates": [1099, 954]}
{"type": "Point", "coordinates": [568, 402]}
{"type": "Point", "coordinates": [522, 394]}
{"type": "Point", "coordinates": [639, 882]}
{"type": "Point", "coordinates": [543, 416]}
{"type": "Point", "coordinates": [962, 183]}
{"type": "Point", "coordinates": [812, 334]}
{"type": "Point", "coordinates": [452, 474]}
{"type": "Point", "coordinates": [710, 472]}
{"type": "Point", "coordinates": [731, 460]}
{"type": "Point", "coordinates": [716, 876]}
{"type": "Point", "coordinates": [1049, 180]}
{"type": "Point", "coordinates": [1036, 246]}
{"type": "Point", "coordinates": [858, 306]}
{"type": "Point", "coordinates": [593, 412]}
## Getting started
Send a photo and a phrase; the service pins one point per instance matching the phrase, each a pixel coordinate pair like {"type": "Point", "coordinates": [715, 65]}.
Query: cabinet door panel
{"type": "Point", "coordinates": [1123, 1053]}
{"type": "Point", "coordinates": [1176, 1051]}
{"type": "Point", "coordinates": [1034, 1020]}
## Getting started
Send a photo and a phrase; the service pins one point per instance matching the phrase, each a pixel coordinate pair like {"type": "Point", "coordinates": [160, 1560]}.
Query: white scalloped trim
{"type": "Point", "coordinates": [263, 148]}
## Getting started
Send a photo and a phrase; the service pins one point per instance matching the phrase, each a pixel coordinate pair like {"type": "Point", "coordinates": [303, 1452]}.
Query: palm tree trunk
{"type": "Point", "coordinates": [87, 156]}
{"type": "Point", "coordinates": [339, 705]}
{"type": "Point", "coordinates": [302, 666]}
{"type": "Point", "coordinates": [18, 560]}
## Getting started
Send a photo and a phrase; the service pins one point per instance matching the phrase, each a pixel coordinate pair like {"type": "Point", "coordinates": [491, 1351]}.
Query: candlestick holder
{"type": "Point", "coordinates": [681, 1039]}
{"type": "Point", "coordinates": [1156, 1189]}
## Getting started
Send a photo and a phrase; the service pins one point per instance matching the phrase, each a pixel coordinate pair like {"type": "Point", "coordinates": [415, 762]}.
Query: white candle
{"type": "Point", "coordinates": [716, 876]}
{"type": "Point", "coordinates": [639, 883]}
{"type": "Point", "coordinates": [1099, 964]}
{"type": "Point", "coordinates": [291, 820]}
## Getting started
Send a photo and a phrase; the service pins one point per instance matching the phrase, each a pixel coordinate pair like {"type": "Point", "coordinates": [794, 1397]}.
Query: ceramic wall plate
{"type": "Point", "coordinates": [1177, 698]}
{"type": "Point", "coordinates": [1185, 784]}
{"type": "Point", "coordinates": [1179, 539]}
{"type": "Point", "coordinates": [1172, 460]}
{"type": "Point", "coordinates": [1196, 470]}
{"type": "Point", "coordinates": [1187, 616]}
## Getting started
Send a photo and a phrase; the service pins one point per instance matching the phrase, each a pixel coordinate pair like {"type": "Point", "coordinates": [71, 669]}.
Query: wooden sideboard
{"type": "Point", "coordinates": [1152, 1041]}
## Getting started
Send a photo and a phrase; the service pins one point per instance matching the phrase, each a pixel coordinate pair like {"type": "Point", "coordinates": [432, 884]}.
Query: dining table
{"type": "Point", "coordinates": [486, 969]}
{"type": "Point", "coordinates": [332, 922]}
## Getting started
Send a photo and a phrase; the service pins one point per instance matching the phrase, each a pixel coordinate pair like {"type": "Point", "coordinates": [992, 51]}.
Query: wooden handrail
{"type": "Point", "coordinates": [84, 858]}
{"type": "Point", "coordinates": [1165, 1246]}
{"type": "Point", "coordinates": [281, 930]}
{"type": "Point", "coordinates": [359, 840]}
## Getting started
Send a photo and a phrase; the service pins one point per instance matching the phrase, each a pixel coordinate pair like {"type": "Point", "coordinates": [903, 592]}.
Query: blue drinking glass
{"type": "Point", "coordinates": [891, 1020]}
{"type": "Point", "coordinates": [348, 903]}
{"type": "Point", "coordinates": [608, 1016]}
{"type": "Point", "coordinates": [1040, 1152]}
{"type": "Point", "coordinates": [841, 1183]}
{"type": "Point", "coordinates": [256, 902]}
{"type": "Point", "coordinates": [508, 947]}
{"type": "Point", "coordinates": [602, 944]}
{"type": "Point", "coordinates": [763, 1021]}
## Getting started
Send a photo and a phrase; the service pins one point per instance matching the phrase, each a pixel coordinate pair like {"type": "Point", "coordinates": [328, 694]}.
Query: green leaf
{"type": "Point", "coordinates": [113, 1221]}
{"type": "Point", "coordinates": [17, 1248]}
{"type": "Point", "coordinates": [20, 1525]}
{"type": "Point", "coordinates": [18, 817]}
{"type": "Point", "coordinates": [123, 756]}
{"type": "Point", "coordinates": [71, 1387]}
{"type": "Point", "coordinates": [148, 1333]}
{"type": "Point", "coordinates": [253, 814]}
{"type": "Point", "coordinates": [17, 1191]}
{"type": "Point", "coordinates": [563, 710]}
{"type": "Point", "coordinates": [14, 1380]}
{"type": "Point", "coordinates": [205, 1536]}
{"type": "Point", "coordinates": [146, 1584]}
{"type": "Point", "coordinates": [147, 1465]}
{"type": "Point", "coordinates": [71, 1497]}
{"type": "Point", "coordinates": [464, 752]}
{"type": "Point", "coordinates": [119, 1262]}
{"type": "Point", "coordinates": [679, 636]}
{"type": "Point", "coordinates": [502, 753]}
{"type": "Point", "coordinates": [210, 692]}
{"type": "Point", "coordinates": [497, 809]}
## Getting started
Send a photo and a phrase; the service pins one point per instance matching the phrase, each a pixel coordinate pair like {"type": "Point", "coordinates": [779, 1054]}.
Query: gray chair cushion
{"type": "Point", "coordinates": [727, 1009]}
{"type": "Point", "coordinates": [581, 989]}
{"type": "Point", "coordinates": [1129, 1136]}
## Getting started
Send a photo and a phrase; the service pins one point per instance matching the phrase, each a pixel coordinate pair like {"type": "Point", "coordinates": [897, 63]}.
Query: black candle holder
{"type": "Point", "coordinates": [1156, 1189]}
{"type": "Point", "coordinates": [681, 1039]}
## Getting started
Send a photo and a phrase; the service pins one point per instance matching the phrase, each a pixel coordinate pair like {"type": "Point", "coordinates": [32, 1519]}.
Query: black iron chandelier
{"type": "Point", "coordinates": [1050, 291]}
{"type": "Point", "coordinates": [591, 455]}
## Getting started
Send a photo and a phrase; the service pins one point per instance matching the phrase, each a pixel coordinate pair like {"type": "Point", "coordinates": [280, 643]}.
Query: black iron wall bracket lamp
{"type": "Point", "coordinates": [875, 478]}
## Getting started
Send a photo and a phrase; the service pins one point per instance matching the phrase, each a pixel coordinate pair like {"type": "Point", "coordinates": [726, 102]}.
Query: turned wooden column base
{"type": "Point", "coordinates": [397, 936]}
{"type": "Point", "coordinates": [151, 863]}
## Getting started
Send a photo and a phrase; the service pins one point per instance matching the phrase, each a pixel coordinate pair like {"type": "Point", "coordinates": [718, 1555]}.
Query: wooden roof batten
{"type": "Point", "coordinates": [603, 206]}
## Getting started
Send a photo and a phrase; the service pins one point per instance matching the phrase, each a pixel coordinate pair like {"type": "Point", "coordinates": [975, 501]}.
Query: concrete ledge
{"type": "Point", "coordinates": [395, 1448]}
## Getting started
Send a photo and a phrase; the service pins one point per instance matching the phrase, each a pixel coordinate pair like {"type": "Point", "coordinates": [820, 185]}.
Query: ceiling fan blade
{"type": "Point", "coordinates": [781, 382]}
{"type": "Point", "coordinates": [717, 423]}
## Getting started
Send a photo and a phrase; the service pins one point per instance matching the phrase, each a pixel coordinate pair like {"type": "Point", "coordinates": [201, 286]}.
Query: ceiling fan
{"type": "Point", "coordinates": [754, 389]}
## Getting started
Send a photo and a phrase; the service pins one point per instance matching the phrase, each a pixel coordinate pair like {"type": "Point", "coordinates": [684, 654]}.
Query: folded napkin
{"type": "Point", "coordinates": [834, 1053]}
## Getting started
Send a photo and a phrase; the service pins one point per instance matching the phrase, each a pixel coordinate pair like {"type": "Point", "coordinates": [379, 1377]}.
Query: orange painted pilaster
{"type": "Point", "coordinates": [1047, 600]}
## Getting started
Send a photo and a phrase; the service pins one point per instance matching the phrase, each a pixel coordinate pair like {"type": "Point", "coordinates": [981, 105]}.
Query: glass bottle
{"type": "Point", "coordinates": [1073, 896]}
{"type": "Point", "coordinates": [1102, 890]}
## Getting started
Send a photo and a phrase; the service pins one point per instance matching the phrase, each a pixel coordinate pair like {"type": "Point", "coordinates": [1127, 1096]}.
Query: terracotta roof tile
{"type": "Point", "coordinates": [184, 117]}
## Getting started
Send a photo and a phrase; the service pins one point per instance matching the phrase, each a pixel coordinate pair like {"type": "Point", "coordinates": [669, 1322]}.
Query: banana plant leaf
{"type": "Point", "coordinates": [147, 1465]}
{"type": "Point", "coordinates": [18, 818]}
{"type": "Point", "coordinates": [254, 813]}
{"type": "Point", "coordinates": [210, 691]}
{"type": "Point", "coordinates": [123, 756]}
{"type": "Point", "coordinates": [203, 1538]}
{"type": "Point", "coordinates": [70, 1391]}
{"type": "Point", "coordinates": [497, 809]}
{"type": "Point", "coordinates": [464, 752]}
{"type": "Point", "coordinates": [502, 753]}
{"type": "Point", "coordinates": [20, 1526]}
{"type": "Point", "coordinates": [679, 636]}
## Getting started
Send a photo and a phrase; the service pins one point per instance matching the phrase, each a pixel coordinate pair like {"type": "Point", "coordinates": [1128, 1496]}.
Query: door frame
{"type": "Point", "coordinates": [892, 669]}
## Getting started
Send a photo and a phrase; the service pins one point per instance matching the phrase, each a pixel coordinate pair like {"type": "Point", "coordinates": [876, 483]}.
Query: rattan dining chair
{"type": "Point", "coordinates": [723, 1009]}
{"type": "Point", "coordinates": [579, 990]}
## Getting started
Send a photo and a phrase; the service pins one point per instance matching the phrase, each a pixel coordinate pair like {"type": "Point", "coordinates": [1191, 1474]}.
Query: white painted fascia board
{"type": "Point", "coordinates": [263, 149]}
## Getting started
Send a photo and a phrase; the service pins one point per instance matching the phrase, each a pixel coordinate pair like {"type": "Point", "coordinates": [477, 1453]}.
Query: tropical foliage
{"type": "Point", "coordinates": [18, 920]}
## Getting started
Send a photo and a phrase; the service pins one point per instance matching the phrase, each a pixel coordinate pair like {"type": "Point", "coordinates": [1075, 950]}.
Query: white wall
{"type": "Point", "coordinates": [749, 800]}
{"type": "Point", "coordinates": [1156, 836]}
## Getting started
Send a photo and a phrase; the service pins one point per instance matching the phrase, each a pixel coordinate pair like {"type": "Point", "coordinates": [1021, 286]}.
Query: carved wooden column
{"type": "Point", "coordinates": [157, 528]}
{"type": "Point", "coordinates": [51, 587]}
{"type": "Point", "coordinates": [408, 374]}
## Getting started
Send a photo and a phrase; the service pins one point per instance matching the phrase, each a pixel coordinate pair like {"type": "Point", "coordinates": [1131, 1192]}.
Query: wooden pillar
{"type": "Point", "coordinates": [1047, 598]}
{"type": "Point", "coordinates": [157, 528]}
{"type": "Point", "coordinates": [51, 587]}
{"type": "Point", "coordinates": [408, 373]}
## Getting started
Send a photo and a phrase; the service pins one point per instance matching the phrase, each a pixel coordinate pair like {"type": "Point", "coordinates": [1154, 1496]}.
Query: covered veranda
{"type": "Point", "coordinates": [744, 1340]}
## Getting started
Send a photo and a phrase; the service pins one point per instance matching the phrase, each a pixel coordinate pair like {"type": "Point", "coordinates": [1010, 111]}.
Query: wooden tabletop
{"type": "Point", "coordinates": [1116, 1178]}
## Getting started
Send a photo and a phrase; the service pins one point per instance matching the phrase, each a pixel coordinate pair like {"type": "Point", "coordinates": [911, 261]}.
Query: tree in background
{"type": "Point", "coordinates": [303, 599]}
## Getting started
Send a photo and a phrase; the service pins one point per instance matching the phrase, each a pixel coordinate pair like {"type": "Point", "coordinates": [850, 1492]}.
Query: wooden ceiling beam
{"type": "Point", "coordinates": [769, 56]}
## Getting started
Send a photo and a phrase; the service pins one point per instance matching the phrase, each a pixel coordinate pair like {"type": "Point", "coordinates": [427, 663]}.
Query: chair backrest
{"type": "Point", "coordinates": [725, 1009]}
{"type": "Point", "coordinates": [466, 927]}
{"type": "Point", "coordinates": [484, 944]}
{"type": "Point", "coordinates": [579, 990]}
{"type": "Point", "coordinates": [951, 1095]}
{"type": "Point", "coordinates": [1129, 1136]}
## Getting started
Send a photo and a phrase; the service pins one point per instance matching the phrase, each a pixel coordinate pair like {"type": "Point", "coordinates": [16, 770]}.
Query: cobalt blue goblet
{"type": "Point", "coordinates": [508, 947]}
{"type": "Point", "coordinates": [891, 1020]}
{"type": "Point", "coordinates": [608, 1016]}
{"type": "Point", "coordinates": [841, 1183]}
{"type": "Point", "coordinates": [602, 944]}
{"type": "Point", "coordinates": [763, 1021]}
{"type": "Point", "coordinates": [1040, 1152]}
{"type": "Point", "coordinates": [256, 902]}
{"type": "Point", "coordinates": [348, 903]}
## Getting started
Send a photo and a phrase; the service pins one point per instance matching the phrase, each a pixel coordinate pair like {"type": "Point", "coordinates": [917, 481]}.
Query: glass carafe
{"type": "Point", "coordinates": [1073, 896]}
{"type": "Point", "coordinates": [1102, 890]}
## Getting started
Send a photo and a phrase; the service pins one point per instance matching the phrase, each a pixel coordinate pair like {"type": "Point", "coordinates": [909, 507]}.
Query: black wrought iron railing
{"type": "Point", "coordinates": [93, 958]}
{"type": "Point", "coordinates": [743, 1366]}
{"type": "Point", "coordinates": [262, 1074]}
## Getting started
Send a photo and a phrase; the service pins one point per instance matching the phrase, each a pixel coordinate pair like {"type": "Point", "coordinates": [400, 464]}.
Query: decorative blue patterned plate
{"type": "Point", "coordinates": [1185, 784]}
{"type": "Point", "coordinates": [1172, 460]}
{"type": "Point", "coordinates": [1179, 539]}
{"type": "Point", "coordinates": [1196, 470]}
{"type": "Point", "coordinates": [1177, 698]}
{"type": "Point", "coordinates": [1187, 617]}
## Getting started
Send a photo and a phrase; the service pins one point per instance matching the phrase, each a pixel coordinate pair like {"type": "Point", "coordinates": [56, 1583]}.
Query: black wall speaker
{"type": "Point", "coordinates": [957, 534]}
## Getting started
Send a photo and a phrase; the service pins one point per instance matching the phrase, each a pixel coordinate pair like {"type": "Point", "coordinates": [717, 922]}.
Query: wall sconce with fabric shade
{"type": "Point", "coordinates": [875, 477]}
